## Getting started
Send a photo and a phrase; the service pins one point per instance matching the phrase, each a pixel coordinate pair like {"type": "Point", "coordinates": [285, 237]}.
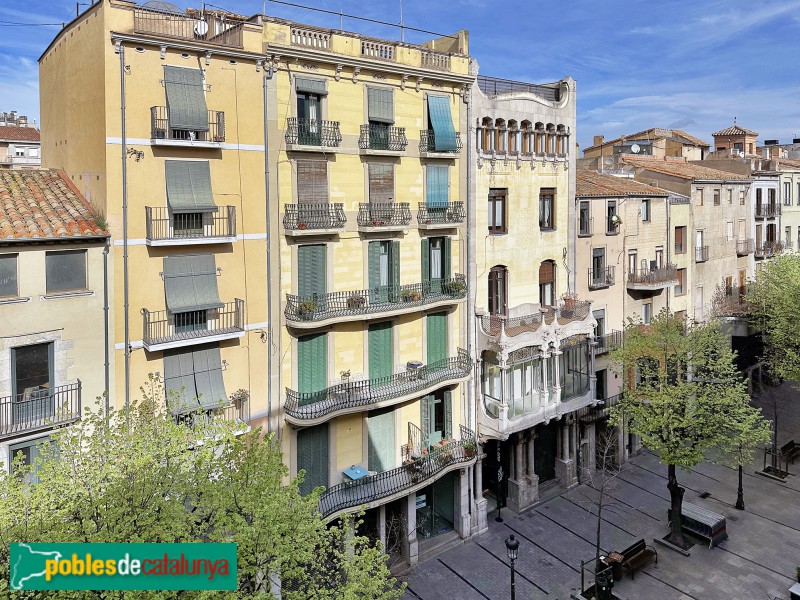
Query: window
{"type": "Point", "coordinates": [787, 236]}
{"type": "Point", "coordinates": [787, 193]}
{"type": "Point", "coordinates": [497, 210]}
{"type": "Point", "coordinates": [436, 254]}
{"type": "Point", "coordinates": [659, 262]}
{"type": "Point", "coordinates": [486, 134]}
{"type": "Point", "coordinates": [647, 313]}
{"type": "Point", "coordinates": [32, 383]}
{"type": "Point", "coordinates": [584, 224]}
{"type": "Point", "coordinates": [716, 197]}
{"type": "Point", "coordinates": [312, 457]}
{"type": "Point", "coordinates": [729, 231]}
{"type": "Point", "coordinates": [741, 198]}
{"type": "Point", "coordinates": [436, 417]}
{"type": "Point", "coordinates": [738, 146]}
{"type": "Point", "coordinates": [310, 93]}
{"type": "Point", "coordinates": [680, 240]}
{"type": "Point", "coordinates": [547, 208]}
{"type": "Point", "coordinates": [384, 271]}
{"type": "Point", "coordinates": [598, 267]}
{"type": "Point", "coordinates": [500, 135]}
{"type": "Point", "coordinates": [8, 276]}
{"type": "Point", "coordinates": [632, 263]}
{"type": "Point", "coordinates": [729, 286]}
{"type": "Point", "coordinates": [381, 182]}
{"type": "Point", "coordinates": [312, 184]}
{"type": "Point", "coordinates": [66, 271]}
{"type": "Point", "coordinates": [440, 121]}
{"type": "Point", "coordinates": [436, 338]}
{"type": "Point", "coordinates": [611, 221]}
{"type": "Point", "coordinates": [381, 363]}
{"type": "Point", "coordinates": [193, 380]}
{"type": "Point", "coordinates": [31, 451]}
{"type": "Point", "coordinates": [547, 283]}
{"type": "Point", "coordinates": [772, 198]}
{"type": "Point", "coordinates": [380, 114]}
{"type": "Point", "coordinates": [758, 200]}
{"type": "Point", "coordinates": [680, 287]}
{"type": "Point", "coordinates": [436, 187]}
{"type": "Point", "coordinates": [646, 209]}
{"type": "Point", "coordinates": [699, 197]}
{"type": "Point", "coordinates": [600, 328]}
{"type": "Point", "coordinates": [498, 290]}
{"type": "Point", "coordinates": [189, 196]}
{"type": "Point", "coordinates": [730, 195]}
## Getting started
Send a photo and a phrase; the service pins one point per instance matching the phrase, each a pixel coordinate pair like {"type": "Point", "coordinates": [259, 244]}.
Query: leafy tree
{"type": "Point", "coordinates": [682, 396]}
{"type": "Point", "coordinates": [137, 475]}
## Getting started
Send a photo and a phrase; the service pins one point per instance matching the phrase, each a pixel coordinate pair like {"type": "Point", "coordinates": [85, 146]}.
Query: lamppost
{"type": "Point", "coordinates": [512, 548]}
{"type": "Point", "coordinates": [740, 491]}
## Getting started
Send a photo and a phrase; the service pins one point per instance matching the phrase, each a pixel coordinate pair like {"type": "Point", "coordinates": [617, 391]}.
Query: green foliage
{"type": "Point", "coordinates": [140, 476]}
{"type": "Point", "coordinates": [774, 301]}
{"type": "Point", "coordinates": [682, 393]}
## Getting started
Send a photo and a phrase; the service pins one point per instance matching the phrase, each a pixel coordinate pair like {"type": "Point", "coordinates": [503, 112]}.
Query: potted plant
{"type": "Point", "coordinates": [570, 300]}
{"type": "Point", "coordinates": [307, 307]}
{"type": "Point", "coordinates": [407, 295]}
{"type": "Point", "coordinates": [469, 448]}
{"type": "Point", "coordinates": [356, 300]}
{"type": "Point", "coordinates": [457, 287]}
{"type": "Point", "coordinates": [616, 220]}
{"type": "Point", "coordinates": [301, 226]}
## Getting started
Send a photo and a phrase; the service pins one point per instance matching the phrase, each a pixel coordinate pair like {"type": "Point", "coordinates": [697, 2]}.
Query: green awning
{"type": "Point", "coordinates": [311, 86]}
{"type": "Point", "coordinates": [442, 122]}
{"type": "Point", "coordinates": [208, 378]}
{"type": "Point", "coordinates": [189, 186]}
{"type": "Point", "coordinates": [186, 99]}
{"type": "Point", "coordinates": [179, 383]}
{"type": "Point", "coordinates": [193, 380]}
{"type": "Point", "coordinates": [190, 283]}
{"type": "Point", "coordinates": [380, 105]}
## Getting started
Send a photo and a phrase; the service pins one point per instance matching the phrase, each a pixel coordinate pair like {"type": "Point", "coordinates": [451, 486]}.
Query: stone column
{"type": "Point", "coordinates": [462, 515]}
{"type": "Point", "coordinates": [544, 392]}
{"type": "Point", "coordinates": [411, 546]}
{"type": "Point", "coordinates": [481, 523]}
{"type": "Point", "coordinates": [517, 483]}
{"type": "Point", "coordinates": [382, 524]}
{"type": "Point", "coordinates": [591, 449]}
{"type": "Point", "coordinates": [533, 478]}
{"type": "Point", "coordinates": [556, 376]}
{"type": "Point", "coordinates": [565, 464]}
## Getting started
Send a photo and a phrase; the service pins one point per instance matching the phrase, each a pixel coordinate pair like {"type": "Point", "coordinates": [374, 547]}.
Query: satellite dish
{"type": "Point", "coordinates": [201, 28]}
{"type": "Point", "coordinates": [636, 149]}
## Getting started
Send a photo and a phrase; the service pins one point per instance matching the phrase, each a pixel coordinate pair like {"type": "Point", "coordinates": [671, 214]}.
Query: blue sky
{"type": "Point", "coordinates": [690, 64]}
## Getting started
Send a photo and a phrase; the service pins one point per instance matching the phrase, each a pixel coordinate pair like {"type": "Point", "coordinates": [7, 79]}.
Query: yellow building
{"type": "Point", "coordinates": [533, 333]}
{"type": "Point", "coordinates": [287, 207]}
{"type": "Point", "coordinates": [53, 291]}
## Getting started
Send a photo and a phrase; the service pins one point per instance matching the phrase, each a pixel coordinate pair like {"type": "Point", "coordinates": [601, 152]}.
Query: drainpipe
{"type": "Point", "coordinates": [267, 76]}
{"type": "Point", "coordinates": [105, 321]}
{"type": "Point", "coordinates": [124, 146]}
{"type": "Point", "coordinates": [471, 415]}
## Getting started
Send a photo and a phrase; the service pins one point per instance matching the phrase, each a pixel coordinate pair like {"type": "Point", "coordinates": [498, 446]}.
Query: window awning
{"type": "Point", "coordinates": [444, 133]}
{"type": "Point", "coordinates": [380, 105]}
{"type": "Point", "coordinates": [193, 380]}
{"type": "Point", "coordinates": [311, 86]}
{"type": "Point", "coordinates": [190, 283]}
{"type": "Point", "coordinates": [189, 186]}
{"type": "Point", "coordinates": [186, 99]}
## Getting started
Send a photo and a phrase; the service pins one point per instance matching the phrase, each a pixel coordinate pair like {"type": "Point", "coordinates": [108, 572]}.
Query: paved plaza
{"type": "Point", "coordinates": [756, 562]}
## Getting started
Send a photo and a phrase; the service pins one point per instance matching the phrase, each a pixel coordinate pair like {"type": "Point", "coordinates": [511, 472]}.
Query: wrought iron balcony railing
{"type": "Point", "coordinates": [768, 249]}
{"type": "Point", "coordinates": [161, 225]}
{"type": "Point", "coordinates": [164, 327]}
{"type": "Point", "coordinates": [767, 211]}
{"type": "Point", "coordinates": [427, 142]}
{"type": "Point", "coordinates": [361, 394]}
{"type": "Point", "coordinates": [745, 247]}
{"type": "Point", "coordinates": [588, 414]}
{"type": "Point", "coordinates": [384, 214]}
{"type": "Point", "coordinates": [493, 325]}
{"type": "Point", "coordinates": [160, 128]}
{"type": "Point", "coordinates": [300, 217]}
{"type": "Point", "coordinates": [701, 253]}
{"type": "Point", "coordinates": [382, 137]}
{"type": "Point", "coordinates": [450, 213]}
{"type": "Point", "coordinates": [39, 408]}
{"type": "Point", "coordinates": [356, 303]}
{"type": "Point", "coordinates": [659, 276]}
{"type": "Point", "coordinates": [606, 341]}
{"type": "Point", "coordinates": [238, 411]}
{"type": "Point", "coordinates": [168, 24]}
{"type": "Point", "coordinates": [310, 132]}
{"type": "Point", "coordinates": [601, 278]}
{"type": "Point", "coordinates": [353, 494]}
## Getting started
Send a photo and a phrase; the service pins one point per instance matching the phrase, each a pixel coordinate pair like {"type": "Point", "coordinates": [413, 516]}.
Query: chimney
{"type": "Point", "coordinates": [598, 140]}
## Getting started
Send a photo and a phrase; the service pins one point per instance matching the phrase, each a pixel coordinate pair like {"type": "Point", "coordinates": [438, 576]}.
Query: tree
{"type": "Point", "coordinates": [139, 475]}
{"type": "Point", "coordinates": [682, 396]}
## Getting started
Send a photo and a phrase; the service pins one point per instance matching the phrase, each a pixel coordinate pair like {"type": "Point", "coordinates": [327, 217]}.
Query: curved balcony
{"type": "Point", "coordinates": [413, 475]}
{"type": "Point", "coordinates": [382, 139]}
{"type": "Point", "coordinates": [427, 145]}
{"type": "Point", "coordinates": [383, 301]}
{"type": "Point", "coordinates": [440, 216]}
{"type": "Point", "coordinates": [383, 216]}
{"type": "Point", "coordinates": [311, 135]}
{"type": "Point", "coordinates": [313, 219]}
{"type": "Point", "coordinates": [311, 408]}
{"type": "Point", "coordinates": [653, 279]}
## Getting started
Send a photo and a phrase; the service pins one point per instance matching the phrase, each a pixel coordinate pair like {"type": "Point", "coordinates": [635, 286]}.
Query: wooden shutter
{"type": "Point", "coordinates": [426, 419]}
{"type": "Point", "coordinates": [312, 363]}
{"type": "Point", "coordinates": [311, 267]}
{"type": "Point", "coordinates": [312, 181]}
{"type": "Point", "coordinates": [380, 349]}
{"type": "Point", "coordinates": [394, 269]}
{"type": "Point", "coordinates": [448, 415]}
{"type": "Point", "coordinates": [547, 272]}
{"type": "Point", "coordinates": [381, 434]}
{"type": "Point", "coordinates": [381, 182]}
{"type": "Point", "coordinates": [426, 260]}
{"type": "Point", "coordinates": [447, 249]}
{"type": "Point", "coordinates": [437, 337]}
{"type": "Point", "coordinates": [679, 239]}
{"type": "Point", "coordinates": [312, 456]}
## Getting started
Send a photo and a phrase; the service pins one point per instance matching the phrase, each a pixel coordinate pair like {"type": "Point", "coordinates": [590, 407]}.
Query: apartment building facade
{"type": "Point", "coordinates": [53, 289]}
{"type": "Point", "coordinates": [533, 333]}
{"type": "Point", "coordinates": [789, 170]}
{"type": "Point", "coordinates": [20, 146]}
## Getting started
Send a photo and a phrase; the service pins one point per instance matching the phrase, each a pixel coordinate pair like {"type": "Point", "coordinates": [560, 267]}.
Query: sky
{"type": "Point", "coordinates": [688, 64]}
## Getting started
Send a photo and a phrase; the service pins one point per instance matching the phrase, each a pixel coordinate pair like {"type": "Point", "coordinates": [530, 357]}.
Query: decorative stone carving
{"type": "Point", "coordinates": [419, 83]}
{"type": "Point", "coordinates": [338, 74]}
{"type": "Point", "coordinates": [403, 82]}
{"type": "Point", "coordinates": [356, 73]}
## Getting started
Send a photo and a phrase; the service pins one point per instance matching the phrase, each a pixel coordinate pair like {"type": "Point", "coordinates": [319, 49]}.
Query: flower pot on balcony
{"type": "Point", "coordinates": [302, 226]}
{"type": "Point", "coordinates": [469, 449]}
{"type": "Point", "coordinates": [306, 309]}
{"type": "Point", "coordinates": [356, 301]}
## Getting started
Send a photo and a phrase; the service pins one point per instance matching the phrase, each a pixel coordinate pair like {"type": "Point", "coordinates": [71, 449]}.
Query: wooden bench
{"type": "Point", "coordinates": [637, 556]}
{"type": "Point", "coordinates": [702, 523]}
{"type": "Point", "coordinates": [790, 450]}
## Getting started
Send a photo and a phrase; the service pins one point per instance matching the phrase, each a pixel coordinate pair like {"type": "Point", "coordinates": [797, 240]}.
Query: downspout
{"type": "Point", "coordinates": [105, 323]}
{"type": "Point", "coordinates": [124, 146]}
{"type": "Point", "coordinates": [267, 76]}
{"type": "Point", "coordinates": [471, 412]}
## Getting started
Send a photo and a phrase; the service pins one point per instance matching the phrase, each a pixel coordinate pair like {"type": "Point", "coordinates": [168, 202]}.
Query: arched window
{"type": "Point", "coordinates": [500, 135]}
{"type": "Point", "coordinates": [498, 290]}
{"type": "Point", "coordinates": [547, 283]}
{"type": "Point", "coordinates": [538, 139]}
{"type": "Point", "coordinates": [550, 146]}
{"type": "Point", "coordinates": [562, 137]}
{"type": "Point", "coordinates": [486, 134]}
{"type": "Point", "coordinates": [525, 134]}
{"type": "Point", "coordinates": [513, 137]}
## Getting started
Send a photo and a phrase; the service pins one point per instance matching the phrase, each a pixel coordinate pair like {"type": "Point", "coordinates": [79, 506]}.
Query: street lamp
{"type": "Point", "coordinates": [740, 491]}
{"type": "Point", "coordinates": [512, 548]}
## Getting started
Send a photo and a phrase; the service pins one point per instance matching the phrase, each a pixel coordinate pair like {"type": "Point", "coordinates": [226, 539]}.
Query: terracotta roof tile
{"type": "Point", "coordinates": [43, 203]}
{"type": "Point", "coordinates": [655, 133]}
{"type": "Point", "coordinates": [682, 169]}
{"type": "Point", "coordinates": [19, 134]}
{"type": "Point", "coordinates": [592, 183]}
{"type": "Point", "coordinates": [788, 164]}
{"type": "Point", "coordinates": [735, 130]}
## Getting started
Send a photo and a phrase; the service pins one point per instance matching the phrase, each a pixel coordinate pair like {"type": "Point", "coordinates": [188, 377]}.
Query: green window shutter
{"type": "Point", "coordinates": [31, 451]}
{"type": "Point", "coordinates": [437, 188]}
{"type": "Point", "coordinates": [426, 419]}
{"type": "Point", "coordinates": [426, 260]}
{"type": "Point", "coordinates": [186, 99]}
{"type": "Point", "coordinates": [380, 105]}
{"type": "Point", "coordinates": [394, 270]}
{"type": "Point", "coordinates": [374, 264]}
{"type": "Point", "coordinates": [312, 456]}
{"type": "Point", "coordinates": [311, 270]}
{"type": "Point", "coordinates": [448, 415]}
{"type": "Point", "coordinates": [189, 186]}
{"type": "Point", "coordinates": [190, 282]}
{"type": "Point", "coordinates": [312, 363]}
{"type": "Point", "coordinates": [380, 350]}
{"type": "Point", "coordinates": [447, 249]}
{"type": "Point", "coordinates": [179, 382]}
{"type": "Point", "coordinates": [208, 378]}
{"type": "Point", "coordinates": [442, 122]}
{"type": "Point", "coordinates": [437, 337]}
{"type": "Point", "coordinates": [381, 440]}
{"type": "Point", "coordinates": [311, 86]}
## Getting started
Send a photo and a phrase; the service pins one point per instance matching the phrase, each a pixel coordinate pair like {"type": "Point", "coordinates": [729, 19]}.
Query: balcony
{"type": "Point", "coordinates": [435, 60]}
{"type": "Point", "coordinates": [589, 414]}
{"type": "Point", "coordinates": [532, 320]}
{"type": "Point", "coordinates": [182, 27]}
{"type": "Point", "coordinates": [384, 301]}
{"type": "Point", "coordinates": [585, 227]}
{"type": "Point", "coordinates": [164, 330]}
{"type": "Point", "coordinates": [612, 225]}
{"type": "Point", "coordinates": [768, 249]}
{"type": "Point", "coordinates": [317, 39]}
{"type": "Point", "coordinates": [165, 229]}
{"type": "Point", "coordinates": [311, 135]}
{"type": "Point", "coordinates": [383, 216]}
{"type": "Point", "coordinates": [767, 211]}
{"type": "Point", "coordinates": [607, 341]}
{"type": "Point", "coordinates": [39, 409]}
{"type": "Point", "coordinates": [700, 254]}
{"type": "Point", "coordinates": [601, 278]}
{"type": "Point", "coordinates": [745, 247]}
{"type": "Point", "coordinates": [427, 145]}
{"type": "Point", "coordinates": [653, 279]}
{"type": "Point", "coordinates": [311, 408]}
{"type": "Point", "coordinates": [161, 134]}
{"type": "Point", "coordinates": [313, 219]}
{"type": "Point", "coordinates": [413, 475]}
{"type": "Point", "coordinates": [237, 411]}
{"type": "Point", "coordinates": [382, 139]}
{"type": "Point", "coordinates": [440, 216]}
{"type": "Point", "coordinates": [20, 160]}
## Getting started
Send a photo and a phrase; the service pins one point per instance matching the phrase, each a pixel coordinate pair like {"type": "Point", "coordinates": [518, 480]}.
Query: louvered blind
{"type": "Point", "coordinates": [186, 99]}
{"type": "Point", "coordinates": [381, 182]}
{"type": "Point", "coordinates": [312, 182]}
{"type": "Point", "coordinates": [380, 105]}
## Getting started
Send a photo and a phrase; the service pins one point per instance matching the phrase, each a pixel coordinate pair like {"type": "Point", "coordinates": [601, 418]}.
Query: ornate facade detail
{"type": "Point", "coordinates": [356, 73]}
{"type": "Point", "coordinates": [403, 82]}
{"type": "Point", "coordinates": [309, 66]}
{"type": "Point", "coordinates": [419, 83]}
{"type": "Point", "coordinates": [338, 74]}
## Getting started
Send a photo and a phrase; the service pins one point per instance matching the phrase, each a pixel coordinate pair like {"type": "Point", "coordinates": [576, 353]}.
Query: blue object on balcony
{"type": "Point", "coordinates": [356, 472]}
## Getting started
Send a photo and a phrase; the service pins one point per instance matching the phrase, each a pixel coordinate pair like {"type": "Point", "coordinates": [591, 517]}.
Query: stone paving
{"type": "Point", "coordinates": [756, 562]}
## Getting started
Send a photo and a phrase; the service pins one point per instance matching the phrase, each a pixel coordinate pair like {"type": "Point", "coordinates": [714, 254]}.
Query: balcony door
{"type": "Point", "coordinates": [309, 108]}
{"type": "Point", "coordinates": [436, 325]}
{"type": "Point", "coordinates": [436, 253]}
{"type": "Point", "coordinates": [32, 381]}
{"type": "Point", "coordinates": [598, 266]}
{"type": "Point", "coordinates": [384, 271]}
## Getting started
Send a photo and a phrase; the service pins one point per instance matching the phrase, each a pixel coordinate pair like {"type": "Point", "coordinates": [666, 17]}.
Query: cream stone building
{"type": "Point", "coordinates": [789, 170]}
{"type": "Point", "coordinates": [655, 141]}
{"type": "Point", "coordinates": [54, 286]}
